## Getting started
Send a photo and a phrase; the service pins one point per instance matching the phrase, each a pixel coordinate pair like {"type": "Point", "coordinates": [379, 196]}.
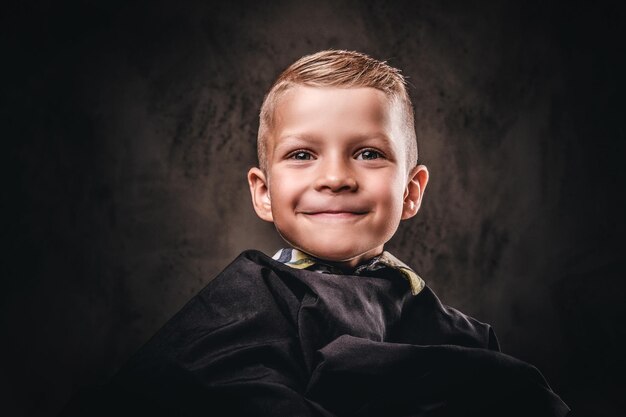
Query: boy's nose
{"type": "Point", "coordinates": [337, 177]}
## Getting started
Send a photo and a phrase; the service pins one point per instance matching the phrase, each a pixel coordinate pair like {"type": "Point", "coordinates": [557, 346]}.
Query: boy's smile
{"type": "Point", "coordinates": [337, 184]}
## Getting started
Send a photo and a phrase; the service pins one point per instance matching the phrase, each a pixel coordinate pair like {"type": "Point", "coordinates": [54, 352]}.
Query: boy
{"type": "Point", "coordinates": [333, 324]}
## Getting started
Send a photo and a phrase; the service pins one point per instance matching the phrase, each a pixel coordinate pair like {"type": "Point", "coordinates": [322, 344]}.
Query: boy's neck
{"type": "Point", "coordinates": [352, 263]}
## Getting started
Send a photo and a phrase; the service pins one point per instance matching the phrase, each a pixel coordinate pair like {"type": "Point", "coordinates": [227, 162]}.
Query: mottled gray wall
{"type": "Point", "coordinates": [129, 128]}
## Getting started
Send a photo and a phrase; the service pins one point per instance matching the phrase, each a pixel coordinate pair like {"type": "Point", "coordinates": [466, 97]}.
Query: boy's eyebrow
{"type": "Point", "coordinates": [306, 137]}
{"type": "Point", "coordinates": [290, 139]}
{"type": "Point", "coordinates": [378, 135]}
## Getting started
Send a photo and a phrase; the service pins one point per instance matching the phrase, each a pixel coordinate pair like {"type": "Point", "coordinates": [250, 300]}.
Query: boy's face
{"type": "Point", "coordinates": [336, 185]}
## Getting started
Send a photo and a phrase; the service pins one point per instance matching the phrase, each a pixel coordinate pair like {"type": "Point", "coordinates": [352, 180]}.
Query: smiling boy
{"type": "Point", "coordinates": [338, 175]}
{"type": "Point", "coordinates": [333, 324]}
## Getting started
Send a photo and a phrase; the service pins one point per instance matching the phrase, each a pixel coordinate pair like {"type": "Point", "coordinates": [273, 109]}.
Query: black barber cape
{"type": "Point", "coordinates": [264, 339]}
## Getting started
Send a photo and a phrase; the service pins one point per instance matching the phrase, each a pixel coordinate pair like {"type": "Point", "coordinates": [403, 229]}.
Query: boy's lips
{"type": "Point", "coordinates": [334, 215]}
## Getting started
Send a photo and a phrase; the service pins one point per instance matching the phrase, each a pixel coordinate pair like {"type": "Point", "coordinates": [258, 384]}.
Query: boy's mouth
{"type": "Point", "coordinates": [335, 214]}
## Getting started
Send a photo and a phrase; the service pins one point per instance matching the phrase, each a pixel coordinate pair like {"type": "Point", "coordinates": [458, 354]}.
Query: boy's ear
{"type": "Point", "coordinates": [260, 194]}
{"type": "Point", "coordinates": [418, 178]}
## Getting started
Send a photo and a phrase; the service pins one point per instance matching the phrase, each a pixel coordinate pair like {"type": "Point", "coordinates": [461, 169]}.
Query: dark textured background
{"type": "Point", "coordinates": [128, 127]}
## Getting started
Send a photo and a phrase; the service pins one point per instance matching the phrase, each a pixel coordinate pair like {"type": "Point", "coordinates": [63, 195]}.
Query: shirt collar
{"type": "Point", "coordinates": [300, 260]}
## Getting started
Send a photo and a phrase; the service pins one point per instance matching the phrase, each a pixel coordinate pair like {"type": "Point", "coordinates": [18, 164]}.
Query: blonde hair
{"type": "Point", "coordinates": [343, 69]}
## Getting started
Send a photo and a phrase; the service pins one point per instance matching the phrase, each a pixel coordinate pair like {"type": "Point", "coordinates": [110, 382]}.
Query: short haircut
{"type": "Point", "coordinates": [343, 69]}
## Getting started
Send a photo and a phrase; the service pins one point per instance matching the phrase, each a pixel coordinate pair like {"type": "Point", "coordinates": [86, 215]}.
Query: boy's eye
{"type": "Point", "coordinates": [369, 154]}
{"type": "Point", "coordinates": [301, 156]}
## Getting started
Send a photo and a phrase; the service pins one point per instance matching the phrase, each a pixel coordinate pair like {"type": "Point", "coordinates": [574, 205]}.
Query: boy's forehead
{"type": "Point", "coordinates": [302, 98]}
{"type": "Point", "coordinates": [307, 113]}
{"type": "Point", "coordinates": [304, 109]}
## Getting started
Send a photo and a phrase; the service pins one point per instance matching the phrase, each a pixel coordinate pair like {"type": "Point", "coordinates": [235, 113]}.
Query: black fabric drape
{"type": "Point", "coordinates": [263, 339]}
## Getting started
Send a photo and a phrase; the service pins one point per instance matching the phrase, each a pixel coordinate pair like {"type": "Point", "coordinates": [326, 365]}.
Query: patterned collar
{"type": "Point", "coordinates": [300, 260]}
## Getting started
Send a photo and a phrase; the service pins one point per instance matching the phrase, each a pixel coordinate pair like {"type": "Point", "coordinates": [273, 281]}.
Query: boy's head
{"type": "Point", "coordinates": [337, 155]}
